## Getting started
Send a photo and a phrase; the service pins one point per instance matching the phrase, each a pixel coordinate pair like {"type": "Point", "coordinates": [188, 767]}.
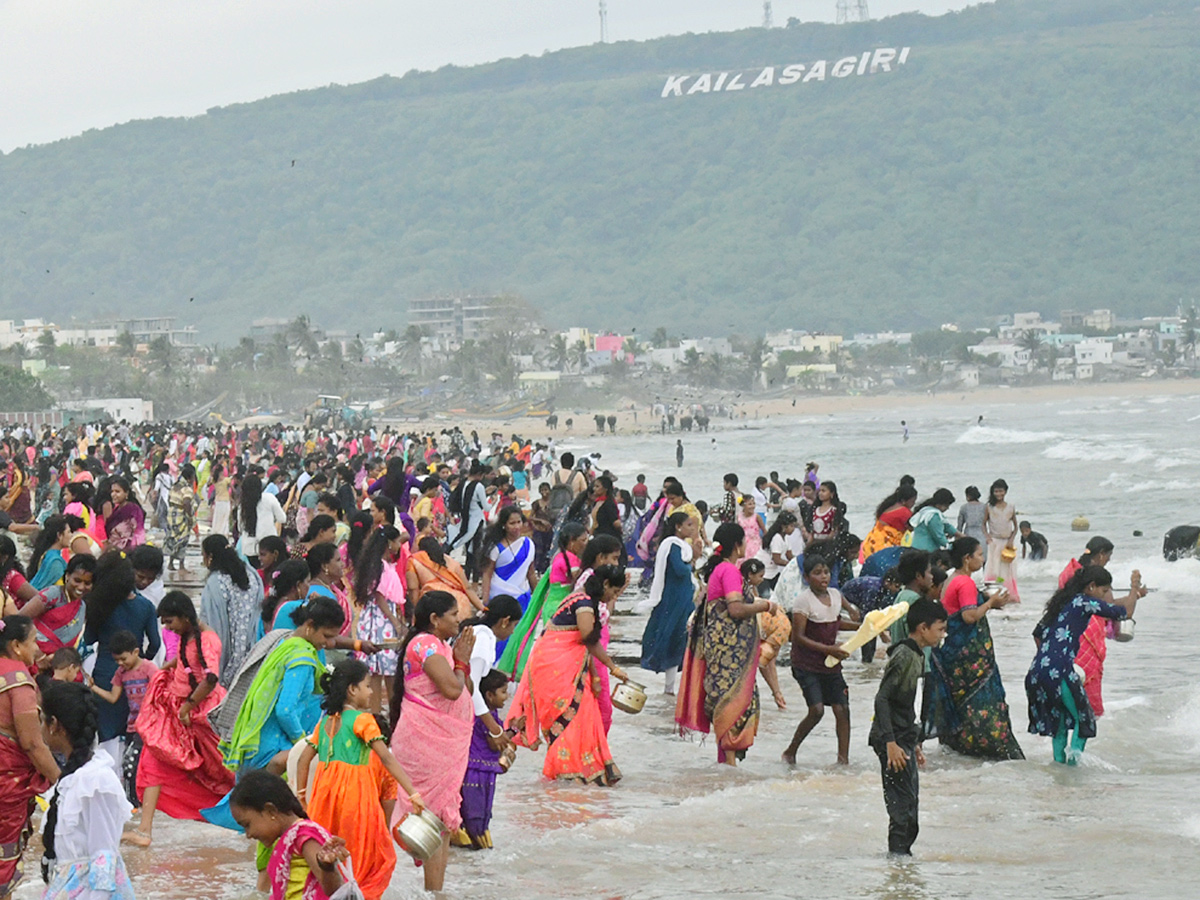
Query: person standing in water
{"type": "Point", "coordinates": [679, 454]}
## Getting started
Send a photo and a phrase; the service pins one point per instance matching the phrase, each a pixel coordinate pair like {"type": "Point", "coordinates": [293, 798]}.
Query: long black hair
{"type": "Point", "coordinates": [433, 549]}
{"type": "Point", "coordinates": [75, 710]}
{"type": "Point", "coordinates": [337, 684]}
{"type": "Point", "coordinates": [287, 578]}
{"type": "Point", "coordinates": [178, 605]}
{"type": "Point", "coordinates": [258, 788]}
{"type": "Point", "coordinates": [601, 578]}
{"type": "Point", "coordinates": [782, 521]}
{"type": "Point", "coordinates": [320, 612]}
{"type": "Point", "coordinates": [725, 541]}
{"type": "Point", "coordinates": [941, 497]}
{"type": "Point", "coordinates": [998, 483]}
{"type": "Point", "coordinates": [15, 630]}
{"type": "Point", "coordinates": [319, 556]}
{"type": "Point", "coordinates": [368, 568]}
{"type": "Point", "coordinates": [122, 482]}
{"type": "Point", "coordinates": [495, 532]}
{"type": "Point", "coordinates": [901, 494]}
{"type": "Point", "coordinates": [316, 526]}
{"type": "Point", "coordinates": [111, 586]}
{"type": "Point", "coordinates": [1075, 585]}
{"type": "Point", "coordinates": [224, 559]}
{"type": "Point", "coordinates": [434, 603]}
{"type": "Point", "coordinates": [1094, 548]}
{"type": "Point", "coordinates": [8, 557]}
{"type": "Point", "coordinates": [961, 549]}
{"type": "Point", "coordinates": [599, 545]}
{"type": "Point", "coordinates": [252, 490]}
{"type": "Point", "coordinates": [361, 524]}
{"type": "Point", "coordinates": [46, 538]}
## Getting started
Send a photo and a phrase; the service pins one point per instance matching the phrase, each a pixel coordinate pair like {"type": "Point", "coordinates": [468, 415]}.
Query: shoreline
{"type": "Point", "coordinates": [799, 405]}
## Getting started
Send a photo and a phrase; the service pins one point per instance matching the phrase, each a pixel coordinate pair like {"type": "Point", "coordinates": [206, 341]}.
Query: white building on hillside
{"type": "Point", "coordinates": [1093, 351]}
{"type": "Point", "coordinates": [1008, 354]}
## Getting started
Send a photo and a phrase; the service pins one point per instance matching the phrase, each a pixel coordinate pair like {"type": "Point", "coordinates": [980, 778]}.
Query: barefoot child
{"type": "Point", "coordinates": [304, 861]}
{"type": "Point", "coordinates": [88, 808]}
{"type": "Point", "coordinates": [816, 621]}
{"type": "Point", "coordinates": [483, 765]}
{"type": "Point", "coordinates": [895, 734]}
{"type": "Point", "coordinates": [774, 628]}
{"type": "Point", "coordinates": [345, 796]}
{"type": "Point", "coordinates": [130, 680]}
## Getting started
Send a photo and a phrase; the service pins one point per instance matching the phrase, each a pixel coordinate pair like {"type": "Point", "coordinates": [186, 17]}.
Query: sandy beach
{"type": "Point", "coordinates": [749, 408]}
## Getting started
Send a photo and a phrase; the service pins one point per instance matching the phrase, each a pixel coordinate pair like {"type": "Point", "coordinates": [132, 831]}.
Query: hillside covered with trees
{"type": "Point", "coordinates": [1032, 154]}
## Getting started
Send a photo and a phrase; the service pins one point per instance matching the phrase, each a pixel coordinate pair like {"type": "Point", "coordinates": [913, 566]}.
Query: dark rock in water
{"type": "Point", "coordinates": [1181, 542]}
{"type": "Point", "coordinates": [1137, 532]}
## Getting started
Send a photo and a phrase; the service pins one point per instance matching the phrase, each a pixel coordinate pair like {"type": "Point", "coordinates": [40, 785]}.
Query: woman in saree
{"type": "Point", "coordinates": [47, 561]}
{"type": "Point", "coordinates": [181, 518]}
{"type": "Point", "coordinates": [124, 518]}
{"type": "Point", "coordinates": [230, 602]}
{"type": "Point", "coordinates": [552, 589]}
{"type": "Point", "coordinates": [556, 700]}
{"type": "Point", "coordinates": [16, 501]}
{"type": "Point", "coordinates": [430, 569]}
{"type": "Point", "coordinates": [27, 766]}
{"type": "Point", "coordinates": [664, 639]}
{"type": "Point", "coordinates": [965, 706]}
{"type": "Point", "coordinates": [718, 688]}
{"type": "Point", "coordinates": [275, 698]}
{"type": "Point", "coordinates": [180, 770]}
{"type": "Point", "coordinates": [508, 557]}
{"type": "Point", "coordinates": [432, 719]}
{"type": "Point", "coordinates": [891, 521]}
{"type": "Point", "coordinates": [57, 612]}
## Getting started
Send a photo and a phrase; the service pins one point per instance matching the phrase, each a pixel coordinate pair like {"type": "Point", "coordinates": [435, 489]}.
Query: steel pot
{"type": "Point", "coordinates": [1123, 630]}
{"type": "Point", "coordinates": [629, 696]}
{"type": "Point", "coordinates": [419, 836]}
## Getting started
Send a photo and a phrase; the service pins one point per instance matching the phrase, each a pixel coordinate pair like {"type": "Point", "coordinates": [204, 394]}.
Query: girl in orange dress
{"type": "Point", "coordinates": [346, 794]}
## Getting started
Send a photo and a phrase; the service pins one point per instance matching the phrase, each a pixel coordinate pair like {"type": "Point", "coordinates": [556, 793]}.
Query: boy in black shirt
{"type": "Point", "coordinates": [895, 733]}
{"type": "Point", "coordinates": [1036, 543]}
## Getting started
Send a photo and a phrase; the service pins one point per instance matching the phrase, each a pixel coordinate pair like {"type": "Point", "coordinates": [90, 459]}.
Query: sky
{"type": "Point", "coordinates": [67, 66]}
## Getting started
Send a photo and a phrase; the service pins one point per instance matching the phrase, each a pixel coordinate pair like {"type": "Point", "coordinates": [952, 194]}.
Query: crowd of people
{"type": "Point", "coordinates": [385, 617]}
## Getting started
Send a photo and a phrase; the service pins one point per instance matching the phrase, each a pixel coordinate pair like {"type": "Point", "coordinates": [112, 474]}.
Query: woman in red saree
{"type": "Point", "coordinates": [433, 718]}
{"type": "Point", "coordinates": [58, 611]}
{"type": "Point", "coordinates": [556, 700]}
{"type": "Point", "coordinates": [27, 767]}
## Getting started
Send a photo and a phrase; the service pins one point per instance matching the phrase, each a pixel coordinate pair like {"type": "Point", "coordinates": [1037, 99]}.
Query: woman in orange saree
{"type": "Point", "coordinates": [556, 699]}
{"type": "Point", "coordinates": [430, 569]}
{"type": "Point", "coordinates": [891, 521]}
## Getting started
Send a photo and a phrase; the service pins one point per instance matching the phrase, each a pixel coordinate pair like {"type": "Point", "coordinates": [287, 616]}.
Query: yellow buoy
{"type": "Point", "coordinates": [1080, 523]}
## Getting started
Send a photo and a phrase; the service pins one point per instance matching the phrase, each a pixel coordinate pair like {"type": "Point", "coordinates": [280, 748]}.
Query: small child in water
{"type": "Point", "coordinates": [1035, 543]}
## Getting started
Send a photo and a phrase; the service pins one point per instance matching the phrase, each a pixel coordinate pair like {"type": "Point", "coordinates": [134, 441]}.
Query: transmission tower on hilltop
{"type": "Point", "coordinates": [603, 21]}
{"type": "Point", "coordinates": [852, 11]}
{"type": "Point", "coordinates": [768, 15]}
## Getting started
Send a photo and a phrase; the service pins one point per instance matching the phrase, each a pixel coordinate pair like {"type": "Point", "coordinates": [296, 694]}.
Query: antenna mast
{"type": "Point", "coordinates": [603, 21]}
{"type": "Point", "coordinates": [768, 16]}
{"type": "Point", "coordinates": [852, 11]}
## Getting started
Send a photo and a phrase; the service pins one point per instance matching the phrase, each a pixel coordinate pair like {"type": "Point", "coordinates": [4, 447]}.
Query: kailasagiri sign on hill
{"type": "Point", "coordinates": [882, 59]}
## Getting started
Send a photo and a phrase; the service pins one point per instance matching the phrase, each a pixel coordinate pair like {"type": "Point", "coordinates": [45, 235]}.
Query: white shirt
{"type": "Point", "coordinates": [270, 513]}
{"type": "Point", "coordinates": [817, 611]}
{"type": "Point", "coordinates": [483, 658]}
{"type": "Point", "coordinates": [779, 544]}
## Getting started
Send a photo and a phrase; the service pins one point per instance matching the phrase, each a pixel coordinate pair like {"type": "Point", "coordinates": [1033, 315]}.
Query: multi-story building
{"type": "Point", "coordinates": [458, 318]}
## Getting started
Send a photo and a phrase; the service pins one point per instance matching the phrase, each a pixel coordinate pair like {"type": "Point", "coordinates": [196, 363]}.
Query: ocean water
{"type": "Point", "coordinates": [1125, 823]}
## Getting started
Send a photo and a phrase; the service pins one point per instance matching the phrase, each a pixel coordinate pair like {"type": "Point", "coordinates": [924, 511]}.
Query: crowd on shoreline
{"type": "Point", "coordinates": [386, 617]}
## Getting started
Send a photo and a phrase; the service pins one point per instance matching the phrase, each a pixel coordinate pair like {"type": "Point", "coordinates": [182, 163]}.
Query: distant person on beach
{"type": "Point", "coordinates": [904, 425]}
{"type": "Point", "coordinates": [679, 454]}
{"type": "Point", "coordinates": [1033, 542]}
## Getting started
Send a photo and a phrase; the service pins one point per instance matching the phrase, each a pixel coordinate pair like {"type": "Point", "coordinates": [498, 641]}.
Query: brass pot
{"type": "Point", "coordinates": [629, 696]}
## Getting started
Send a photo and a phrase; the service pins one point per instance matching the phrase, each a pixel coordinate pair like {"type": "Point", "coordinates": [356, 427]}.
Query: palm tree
{"type": "Point", "coordinates": [559, 352]}
{"type": "Point", "coordinates": [579, 355]}
{"type": "Point", "coordinates": [692, 361]}
{"type": "Point", "coordinates": [659, 339]}
{"type": "Point", "coordinates": [1032, 341]}
{"type": "Point", "coordinates": [163, 357]}
{"type": "Point", "coordinates": [46, 343]}
{"type": "Point", "coordinates": [631, 347]}
{"type": "Point", "coordinates": [1191, 330]}
{"type": "Point", "coordinates": [410, 347]}
{"type": "Point", "coordinates": [756, 352]}
{"type": "Point", "coordinates": [301, 337]}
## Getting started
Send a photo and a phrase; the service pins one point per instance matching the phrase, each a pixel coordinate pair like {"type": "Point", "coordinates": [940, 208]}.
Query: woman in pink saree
{"type": "Point", "coordinates": [433, 718]}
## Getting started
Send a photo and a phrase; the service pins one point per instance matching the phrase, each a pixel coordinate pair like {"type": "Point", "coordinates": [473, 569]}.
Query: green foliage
{"type": "Point", "coordinates": [1028, 155]}
{"type": "Point", "coordinates": [22, 392]}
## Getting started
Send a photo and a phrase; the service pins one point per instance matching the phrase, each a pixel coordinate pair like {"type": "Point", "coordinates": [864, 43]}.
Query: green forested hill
{"type": "Point", "coordinates": [1036, 155]}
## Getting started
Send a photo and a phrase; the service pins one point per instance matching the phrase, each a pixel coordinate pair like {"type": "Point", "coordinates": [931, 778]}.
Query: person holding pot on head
{"type": "Point", "coordinates": [432, 720]}
{"type": "Point", "coordinates": [27, 766]}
